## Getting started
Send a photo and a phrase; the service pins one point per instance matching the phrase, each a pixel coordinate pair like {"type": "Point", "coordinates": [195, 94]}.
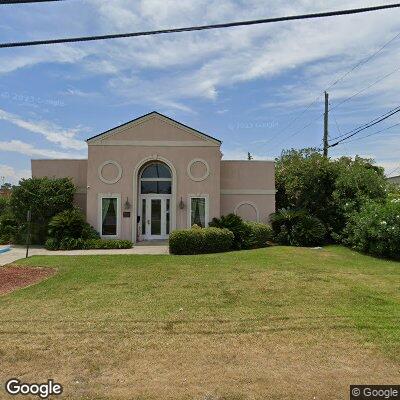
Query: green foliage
{"type": "Point", "coordinates": [71, 224]}
{"type": "Point", "coordinates": [375, 229]}
{"type": "Point", "coordinates": [327, 189]}
{"type": "Point", "coordinates": [69, 243]}
{"type": "Point", "coordinates": [4, 204]}
{"type": "Point", "coordinates": [200, 240]}
{"type": "Point", "coordinates": [237, 226]}
{"type": "Point", "coordinates": [358, 182]}
{"type": "Point", "coordinates": [52, 244]}
{"type": "Point", "coordinates": [259, 235]}
{"type": "Point", "coordinates": [10, 231]}
{"type": "Point", "coordinates": [45, 198]}
{"type": "Point", "coordinates": [107, 244]}
{"type": "Point", "coordinates": [297, 228]}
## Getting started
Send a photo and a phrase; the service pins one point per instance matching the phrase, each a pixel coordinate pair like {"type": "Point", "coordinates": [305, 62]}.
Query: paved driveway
{"type": "Point", "coordinates": [18, 252]}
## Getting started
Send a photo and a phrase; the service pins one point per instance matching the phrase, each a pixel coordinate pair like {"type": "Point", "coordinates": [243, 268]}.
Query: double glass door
{"type": "Point", "coordinates": [155, 217]}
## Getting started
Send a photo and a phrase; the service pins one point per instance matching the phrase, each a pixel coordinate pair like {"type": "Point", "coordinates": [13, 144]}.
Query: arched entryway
{"type": "Point", "coordinates": [155, 200]}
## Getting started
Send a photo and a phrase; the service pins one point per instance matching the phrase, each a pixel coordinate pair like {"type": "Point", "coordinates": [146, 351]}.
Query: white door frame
{"type": "Point", "coordinates": [149, 198]}
{"type": "Point", "coordinates": [136, 204]}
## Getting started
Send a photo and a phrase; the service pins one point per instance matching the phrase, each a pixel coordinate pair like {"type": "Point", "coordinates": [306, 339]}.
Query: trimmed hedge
{"type": "Point", "coordinates": [259, 235]}
{"type": "Point", "coordinates": [86, 244]}
{"type": "Point", "coordinates": [200, 241]}
{"type": "Point", "coordinates": [107, 244]}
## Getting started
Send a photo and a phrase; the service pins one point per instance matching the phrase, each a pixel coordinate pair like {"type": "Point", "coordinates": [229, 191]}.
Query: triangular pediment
{"type": "Point", "coordinates": [153, 127]}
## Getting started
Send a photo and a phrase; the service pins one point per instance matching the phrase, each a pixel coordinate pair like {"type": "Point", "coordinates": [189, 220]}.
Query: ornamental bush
{"type": "Point", "coordinates": [200, 240]}
{"type": "Point", "coordinates": [259, 235]}
{"type": "Point", "coordinates": [69, 243]}
{"type": "Point", "coordinates": [107, 244]}
{"type": "Point", "coordinates": [375, 229]}
{"type": "Point", "coordinates": [4, 204]}
{"type": "Point", "coordinates": [10, 230]}
{"type": "Point", "coordinates": [297, 228]}
{"type": "Point", "coordinates": [71, 224]}
{"type": "Point", "coordinates": [44, 197]}
{"type": "Point", "coordinates": [325, 188]}
{"type": "Point", "coordinates": [241, 231]}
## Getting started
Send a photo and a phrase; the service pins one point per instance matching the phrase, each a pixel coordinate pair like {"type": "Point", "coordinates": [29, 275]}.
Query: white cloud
{"type": "Point", "coordinates": [51, 132]}
{"type": "Point", "coordinates": [198, 65]}
{"type": "Point", "coordinates": [169, 70]}
{"type": "Point", "coordinates": [12, 175]}
{"type": "Point", "coordinates": [28, 150]}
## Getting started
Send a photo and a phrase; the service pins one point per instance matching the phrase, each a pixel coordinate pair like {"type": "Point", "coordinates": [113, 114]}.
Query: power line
{"type": "Point", "coordinates": [365, 88]}
{"type": "Point", "coordinates": [25, 1]}
{"type": "Point", "coordinates": [368, 125]}
{"type": "Point", "coordinates": [335, 82]}
{"type": "Point", "coordinates": [202, 27]}
{"type": "Point", "coordinates": [393, 170]}
{"type": "Point", "coordinates": [362, 62]}
{"type": "Point", "coordinates": [374, 133]}
{"type": "Point", "coordinates": [295, 133]}
{"type": "Point", "coordinates": [351, 131]}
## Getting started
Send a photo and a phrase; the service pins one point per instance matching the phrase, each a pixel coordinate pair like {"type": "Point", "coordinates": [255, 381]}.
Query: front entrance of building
{"type": "Point", "coordinates": [155, 197]}
{"type": "Point", "coordinates": [155, 216]}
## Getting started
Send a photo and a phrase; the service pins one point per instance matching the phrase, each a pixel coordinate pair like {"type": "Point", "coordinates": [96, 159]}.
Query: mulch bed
{"type": "Point", "coordinates": [14, 277]}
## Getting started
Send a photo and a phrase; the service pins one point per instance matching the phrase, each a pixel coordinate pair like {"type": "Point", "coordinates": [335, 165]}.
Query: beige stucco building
{"type": "Point", "coordinates": [152, 175]}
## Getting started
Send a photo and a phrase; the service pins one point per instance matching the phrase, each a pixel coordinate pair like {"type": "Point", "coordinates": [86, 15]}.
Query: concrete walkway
{"type": "Point", "coordinates": [18, 252]}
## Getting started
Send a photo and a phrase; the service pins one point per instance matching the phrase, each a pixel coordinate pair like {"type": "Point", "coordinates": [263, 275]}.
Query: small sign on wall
{"type": "Point", "coordinates": [126, 214]}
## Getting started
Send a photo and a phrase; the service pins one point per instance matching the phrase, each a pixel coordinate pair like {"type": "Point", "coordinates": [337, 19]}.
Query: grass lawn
{"type": "Point", "coordinates": [275, 323]}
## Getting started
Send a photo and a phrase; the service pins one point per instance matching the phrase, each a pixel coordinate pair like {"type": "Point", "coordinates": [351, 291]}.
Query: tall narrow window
{"type": "Point", "coordinates": [198, 211]}
{"type": "Point", "coordinates": [143, 216]}
{"type": "Point", "coordinates": [167, 216]}
{"type": "Point", "coordinates": [109, 215]}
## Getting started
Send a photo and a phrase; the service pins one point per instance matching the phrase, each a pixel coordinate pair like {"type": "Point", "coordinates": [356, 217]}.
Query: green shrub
{"type": "Point", "coordinates": [45, 197]}
{"type": "Point", "coordinates": [241, 231]}
{"type": "Point", "coordinates": [259, 235]}
{"type": "Point", "coordinates": [10, 230]}
{"type": "Point", "coordinates": [52, 244]}
{"type": "Point", "coordinates": [71, 224]}
{"type": "Point", "coordinates": [329, 189]}
{"type": "Point", "coordinates": [200, 240]}
{"type": "Point", "coordinates": [375, 229]}
{"type": "Point", "coordinates": [4, 204]}
{"type": "Point", "coordinates": [69, 243]}
{"type": "Point", "coordinates": [107, 244]}
{"type": "Point", "coordinates": [297, 228]}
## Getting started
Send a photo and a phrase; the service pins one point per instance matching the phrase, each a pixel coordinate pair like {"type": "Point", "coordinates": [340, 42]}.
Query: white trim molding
{"type": "Point", "coordinates": [249, 203]}
{"type": "Point", "coordinates": [136, 191]}
{"type": "Point", "coordinates": [109, 181]}
{"type": "Point", "coordinates": [206, 174]}
{"type": "Point", "coordinates": [248, 191]}
{"type": "Point", "coordinates": [100, 197]}
{"type": "Point", "coordinates": [138, 121]}
{"type": "Point", "coordinates": [206, 208]}
{"type": "Point", "coordinates": [156, 143]}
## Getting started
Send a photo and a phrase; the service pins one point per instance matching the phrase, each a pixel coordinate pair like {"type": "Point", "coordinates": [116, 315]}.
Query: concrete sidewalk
{"type": "Point", "coordinates": [18, 252]}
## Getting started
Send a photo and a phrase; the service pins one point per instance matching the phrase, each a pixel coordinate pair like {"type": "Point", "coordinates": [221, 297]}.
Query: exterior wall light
{"type": "Point", "coordinates": [181, 204]}
{"type": "Point", "coordinates": [127, 204]}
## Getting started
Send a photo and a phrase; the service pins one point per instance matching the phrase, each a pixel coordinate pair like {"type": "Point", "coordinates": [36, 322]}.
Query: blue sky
{"type": "Point", "coordinates": [242, 85]}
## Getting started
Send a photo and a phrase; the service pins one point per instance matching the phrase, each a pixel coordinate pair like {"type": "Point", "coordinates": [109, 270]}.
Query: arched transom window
{"type": "Point", "coordinates": [155, 178]}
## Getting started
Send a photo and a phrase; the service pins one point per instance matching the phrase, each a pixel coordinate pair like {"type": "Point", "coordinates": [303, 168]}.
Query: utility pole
{"type": "Point", "coordinates": [326, 125]}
